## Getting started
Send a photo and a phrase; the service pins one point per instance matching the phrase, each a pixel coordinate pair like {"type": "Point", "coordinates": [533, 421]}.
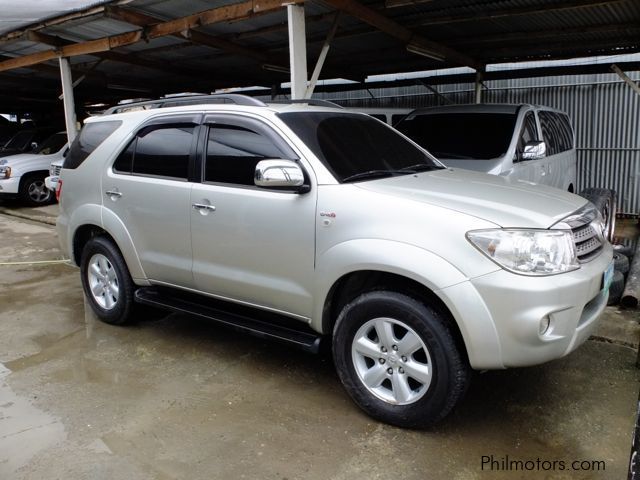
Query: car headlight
{"type": "Point", "coordinates": [528, 252]}
{"type": "Point", "coordinates": [5, 171]}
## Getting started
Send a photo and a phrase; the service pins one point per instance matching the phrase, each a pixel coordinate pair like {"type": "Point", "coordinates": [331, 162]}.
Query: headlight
{"type": "Point", "coordinates": [5, 171]}
{"type": "Point", "coordinates": [528, 252]}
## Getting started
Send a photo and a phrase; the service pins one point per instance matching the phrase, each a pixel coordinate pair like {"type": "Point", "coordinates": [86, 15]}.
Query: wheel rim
{"type": "Point", "coordinates": [103, 281]}
{"type": "Point", "coordinates": [392, 361]}
{"type": "Point", "coordinates": [38, 192]}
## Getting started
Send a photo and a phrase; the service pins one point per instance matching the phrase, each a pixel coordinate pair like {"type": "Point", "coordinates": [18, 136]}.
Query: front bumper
{"type": "Point", "coordinates": [500, 314]}
{"type": "Point", "coordinates": [10, 186]}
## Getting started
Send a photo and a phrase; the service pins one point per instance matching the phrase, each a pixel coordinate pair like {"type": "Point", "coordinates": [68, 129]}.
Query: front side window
{"type": "Point", "coordinates": [357, 147]}
{"type": "Point", "coordinates": [234, 150]}
{"type": "Point", "coordinates": [463, 135]}
{"type": "Point", "coordinates": [529, 132]}
{"type": "Point", "coordinates": [53, 144]}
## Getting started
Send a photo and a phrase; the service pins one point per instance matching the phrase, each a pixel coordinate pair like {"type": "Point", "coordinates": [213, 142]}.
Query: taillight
{"type": "Point", "coordinates": [59, 189]}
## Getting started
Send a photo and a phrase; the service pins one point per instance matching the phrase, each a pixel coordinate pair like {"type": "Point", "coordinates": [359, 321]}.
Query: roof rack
{"type": "Point", "coordinates": [309, 101]}
{"type": "Point", "coordinates": [215, 98]}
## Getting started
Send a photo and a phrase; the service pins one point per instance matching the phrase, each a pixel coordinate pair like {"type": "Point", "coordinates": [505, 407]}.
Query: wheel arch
{"type": "Point", "coordinates": [350, 285]}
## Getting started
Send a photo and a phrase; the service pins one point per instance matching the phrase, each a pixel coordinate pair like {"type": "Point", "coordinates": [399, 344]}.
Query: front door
{"type": "Point", "coordinates": [250, 244]}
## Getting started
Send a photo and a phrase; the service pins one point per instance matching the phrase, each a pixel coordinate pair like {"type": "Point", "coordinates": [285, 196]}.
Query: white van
{"type": "Point", "coordinates": [524, 142]}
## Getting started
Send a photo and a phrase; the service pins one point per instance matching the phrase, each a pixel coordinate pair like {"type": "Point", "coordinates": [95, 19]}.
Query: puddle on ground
{"type": "Point", "coordinates": [24, 429]}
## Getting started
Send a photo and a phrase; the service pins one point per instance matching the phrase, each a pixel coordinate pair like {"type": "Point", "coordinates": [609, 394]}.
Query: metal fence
{"type": "Point", "coordinates": [605, 113]}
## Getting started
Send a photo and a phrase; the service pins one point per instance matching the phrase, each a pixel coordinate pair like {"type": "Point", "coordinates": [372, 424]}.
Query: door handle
{"type": "Point", "coordinates": [114, 194]}
{"type": "Point", "coordinates": [203, 206]}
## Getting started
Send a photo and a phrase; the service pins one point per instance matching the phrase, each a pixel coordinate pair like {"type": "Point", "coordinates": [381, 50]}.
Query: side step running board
{"type": "Point", "coordinates": [212, 309]}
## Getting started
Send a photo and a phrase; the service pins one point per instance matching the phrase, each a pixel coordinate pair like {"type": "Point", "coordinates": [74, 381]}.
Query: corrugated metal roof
{"type": "Point", "coordinates": [490, 32]}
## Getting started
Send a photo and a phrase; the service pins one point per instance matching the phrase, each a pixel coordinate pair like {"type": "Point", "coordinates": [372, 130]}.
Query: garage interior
{"type": "Point", "coordinates": [102, 402]}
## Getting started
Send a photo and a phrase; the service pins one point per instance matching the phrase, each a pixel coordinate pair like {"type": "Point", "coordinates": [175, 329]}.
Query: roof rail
{"type": "Point", "coordinates": [310, 101]}
{"type": "Point", "coordinates": [215, 98]}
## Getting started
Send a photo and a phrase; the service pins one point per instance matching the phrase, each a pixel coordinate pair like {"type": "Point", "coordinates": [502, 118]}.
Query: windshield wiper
{"type": "Point", "coordinates": [451, 156]}
{"type": "Point", "coordinates": [420, 167]}
{"type": "Point", "coordinates": [367, 174]}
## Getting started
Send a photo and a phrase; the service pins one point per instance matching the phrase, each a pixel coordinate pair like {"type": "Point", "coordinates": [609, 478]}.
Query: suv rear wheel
{"type": "Point", "coordinates": [106, 281]}
{"type": "Point", "coordinates": [398, 359]}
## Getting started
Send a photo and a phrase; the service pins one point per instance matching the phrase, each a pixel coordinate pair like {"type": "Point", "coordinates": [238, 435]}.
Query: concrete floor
{"type": "Point", "coordinates": [183, 398]}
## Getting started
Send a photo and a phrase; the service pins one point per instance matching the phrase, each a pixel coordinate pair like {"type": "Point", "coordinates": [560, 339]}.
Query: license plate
{"type": "Point", "coordinates": [607, 277]}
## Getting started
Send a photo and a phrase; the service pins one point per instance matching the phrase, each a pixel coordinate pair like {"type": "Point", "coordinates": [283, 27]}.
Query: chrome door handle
{"type": "Point", "coordinates": [113, 194]}
{"type": "Point", "coordinates": [203, 206]}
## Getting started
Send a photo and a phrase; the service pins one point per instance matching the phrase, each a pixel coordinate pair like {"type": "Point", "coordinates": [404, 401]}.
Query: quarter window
{"type": "Point", "coordinates": [233, 151]}
{"type": "Point", "coordinates": [90, 137]}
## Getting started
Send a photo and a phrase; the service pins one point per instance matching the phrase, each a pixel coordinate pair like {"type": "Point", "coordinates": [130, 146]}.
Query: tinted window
{"type": "Point", "coordinates": [163, 150]}
{"type": "Point", "coordinates": [124, 162]}
{"type": "Point", "coordinates": [53, 144]}
{"type": "Point", "coordinates": [20, 140]}
{"type": "Point", "coordinates": [90, 137]}
{"type": "Point", "coordinates": [557, 132]}
{"type": "Point", "coordinates": [355, 144]}
{"type": "Point", "coordinates": [529, 132]}
{"type": "Point", "coordinates": [233, 152]}
{"type": "Point", "coordinates": [465, 136]}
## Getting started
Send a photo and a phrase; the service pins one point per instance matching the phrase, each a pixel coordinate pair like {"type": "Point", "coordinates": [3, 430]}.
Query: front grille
{"type": "Point", "coordinates": [586, 235]}
{"type": "Point", "coordinates": [588, 242]}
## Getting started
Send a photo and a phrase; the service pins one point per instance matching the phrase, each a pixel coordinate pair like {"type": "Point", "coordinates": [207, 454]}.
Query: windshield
{"type": "Point", "coordinates": [53, 144]}
{"type": "Point", "coordinates": [357, 147]}
{"type": "Point", "coordinates": [465, 136]}
{"type": "Point", "coordinates": [20, 140]}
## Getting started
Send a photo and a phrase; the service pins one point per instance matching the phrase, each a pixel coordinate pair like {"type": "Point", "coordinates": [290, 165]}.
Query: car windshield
{"type": "Point", "coordinates": [461, 136]}
{"type": "Point", "coordinates": [357, 147]}
{"type": "Point", "coordinates": [20, 140]}
{"type": "Point", "coordinates": [53, 144]}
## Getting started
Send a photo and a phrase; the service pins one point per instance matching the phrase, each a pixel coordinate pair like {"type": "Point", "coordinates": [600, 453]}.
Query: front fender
{"type": "Point", "coordinates": [425, 267]}
{"type": "Point", "coordinates": [388, 256]}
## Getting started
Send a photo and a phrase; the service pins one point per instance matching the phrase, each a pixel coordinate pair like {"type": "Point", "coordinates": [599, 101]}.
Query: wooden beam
{"type": "Point", "coordinates": [235, 11]}
{"type": "Point", "coordinates": [141, 19]}
{"type": "Point", "coordinates": [398, 31]}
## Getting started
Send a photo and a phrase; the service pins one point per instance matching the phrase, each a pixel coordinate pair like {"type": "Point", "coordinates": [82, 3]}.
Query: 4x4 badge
{"type": "Point", "coordinates": [328, 214]}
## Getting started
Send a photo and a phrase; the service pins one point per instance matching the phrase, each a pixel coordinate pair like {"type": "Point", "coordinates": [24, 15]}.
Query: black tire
{"type": "Point", "coordinates": [620, 263]}
{"type": "Point", "coordinates": [605, 201]}
{"type": "Point", "coordinates": [120, 312]}
{"type": "Point", "coordinates": [623, 250]}
{"type": "Point", "coordinates": [450, 371]}
{"type": "Point", "coordinates": [616, 288]}
{"type": "Point", "coordinates": [33, 191]}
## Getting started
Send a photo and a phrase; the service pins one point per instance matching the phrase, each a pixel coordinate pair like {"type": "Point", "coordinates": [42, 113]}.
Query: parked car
{"type": "Point", "coordinates": [301, 223]}
{"type": "Point", "coordinates": [23, 175]}
{"type": "Point", "coordinates": [51, 182]}
{"type": "Point", "coordinates": [26, 141]}
{"type": "Point", "coordinates": [521, 141]}
{"type": "Point", "coordinates": [7, 130]}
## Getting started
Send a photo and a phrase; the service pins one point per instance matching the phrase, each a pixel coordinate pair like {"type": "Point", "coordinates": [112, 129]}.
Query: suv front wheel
{"type": "Point", "coordinates": [398, 359]}
{"type": "Point", "coordinates": [106, 281]}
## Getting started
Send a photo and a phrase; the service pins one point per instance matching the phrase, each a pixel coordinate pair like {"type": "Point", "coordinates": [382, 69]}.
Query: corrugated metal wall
{"type": "Point", "coordinates": [605, 113]}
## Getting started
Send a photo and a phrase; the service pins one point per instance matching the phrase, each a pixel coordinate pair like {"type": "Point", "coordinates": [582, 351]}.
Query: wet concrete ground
{"type": "Point", "coordinates": [181, 398]}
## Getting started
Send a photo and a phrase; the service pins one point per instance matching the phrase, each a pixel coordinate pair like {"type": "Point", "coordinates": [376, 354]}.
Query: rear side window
{"type": "Point", "coordinates": [90, 138]}
{"type": "Point", "coordinates": [159, 151]}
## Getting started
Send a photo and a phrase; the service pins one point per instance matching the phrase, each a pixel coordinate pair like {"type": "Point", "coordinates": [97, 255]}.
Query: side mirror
{"type": "Point", "coordinates": [534, 150]}
{"type": "Point", "coordinates": [278, 174]}
{"type": "Point", "coordinates": [34, 145]}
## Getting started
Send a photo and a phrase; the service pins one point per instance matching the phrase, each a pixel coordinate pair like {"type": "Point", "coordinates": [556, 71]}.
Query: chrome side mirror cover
{"type": "Point", "coordinates": [278, 173]}
{"type": "Point", "coordinates": [534, 150]}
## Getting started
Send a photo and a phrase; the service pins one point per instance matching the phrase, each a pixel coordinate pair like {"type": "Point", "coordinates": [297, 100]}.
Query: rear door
{"type": "Point", "coordinates": [148, 189]}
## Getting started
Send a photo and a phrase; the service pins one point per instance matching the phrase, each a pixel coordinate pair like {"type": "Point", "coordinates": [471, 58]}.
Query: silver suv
{"type": "Point", "coordinates": [300, 222]}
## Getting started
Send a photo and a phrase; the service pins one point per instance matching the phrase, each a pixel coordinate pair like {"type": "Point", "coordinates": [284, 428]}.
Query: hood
{"type": "Point", "coordinates": [502, 201]}
{"type": "Point", "coordinates": [492, 165]}
{"type": "Point", "coordinates": [12, 158]}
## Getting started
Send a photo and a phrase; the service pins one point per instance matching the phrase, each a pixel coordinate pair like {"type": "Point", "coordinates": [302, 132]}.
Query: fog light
{"type": "Point", "coordinates": [545, 323]}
